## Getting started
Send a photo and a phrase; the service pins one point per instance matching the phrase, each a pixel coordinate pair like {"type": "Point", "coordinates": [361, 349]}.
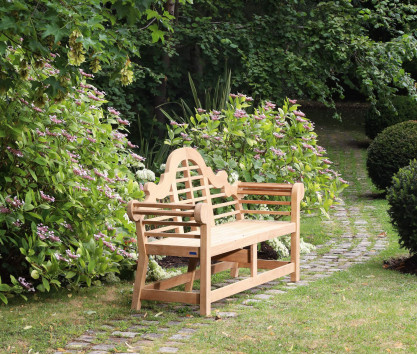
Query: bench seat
{"type": "Point", "coordinates": [224, 238]}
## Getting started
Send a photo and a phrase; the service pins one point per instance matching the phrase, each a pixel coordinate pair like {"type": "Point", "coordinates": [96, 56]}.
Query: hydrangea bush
{"type": "Point", "coordinates": [66, 173]}
{"type": "Point", "coordinates": [263, 144]}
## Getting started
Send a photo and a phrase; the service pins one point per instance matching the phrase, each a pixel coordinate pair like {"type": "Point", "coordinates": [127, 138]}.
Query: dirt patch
{"type": "Point", "coordinates": [404, 264]}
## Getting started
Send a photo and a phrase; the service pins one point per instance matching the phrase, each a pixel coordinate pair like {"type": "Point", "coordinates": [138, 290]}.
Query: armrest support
{"type": "Point", "coordinates": [201, 212]}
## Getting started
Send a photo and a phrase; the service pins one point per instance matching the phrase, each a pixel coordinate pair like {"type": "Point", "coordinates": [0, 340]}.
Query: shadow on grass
{"type": "Point", "coordinates": [374, 195]}
{"type": "Point", "coordinates": [359, 144]}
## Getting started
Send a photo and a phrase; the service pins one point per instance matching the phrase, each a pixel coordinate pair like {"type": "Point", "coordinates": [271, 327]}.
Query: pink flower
{"type": "Point", "coordinates": [92, 140]}
{"type": "Point", "coordinates": [291, 169]}
{"type": "Point", "coordinates": [201, 110]}
{"type": "Point", "coordinates": [59, 257]}
{"type": "Point", "coordinates": [55, 120]}
{"type": "Point", "coordinates": [16, 203]}
{"type": "Point", "coordinates": [83, 73]}
{"type": "Point", "coordinates": [327, 161]}
{"type": "Point", "coordinates": [47, 197]}
{"type": "Point", "coordinates": [25, 284]}
{"type": "Point", "coordinates": [343, 181]}
{"type": "Point", "coordinates": [278, 135]}
{"type": "Point", "coordinates": [71, 255]}
{"type": "Point", "coordinates": [5, 210]}
{"type": "Point", "coordinates": [299, 113]}
{"type": "Point", "coordinates": [277, 152]}
{"type": "Point", "coordinates": [93, 97]}
{"type": "Point", "coordinates": [240, 113]}
{"type": "Point", "coordinates": [137, 157]}
{"type": "Point", "coordinates": [131, 145]}
{"type": "Point", "coordinates": [16, 152]}
{"type": "Point", "coordinates": [292, 101]}
{"type": "Point", "coordinates": [37, 109]}
{"type": "Point", "coordinates": [40, 133]}
{"type": "Point", "coordinates": [113, 111]}
{"type": "Point", "coordinates": [68, 136]}
{"type": "Point", "coordinates": [123, 122]}
{"type": "Point", "coordinates": [233, 96]}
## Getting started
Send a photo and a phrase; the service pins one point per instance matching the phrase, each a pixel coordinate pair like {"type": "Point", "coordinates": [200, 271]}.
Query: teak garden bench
{"type": "Point", "coordinates": [180, 214]}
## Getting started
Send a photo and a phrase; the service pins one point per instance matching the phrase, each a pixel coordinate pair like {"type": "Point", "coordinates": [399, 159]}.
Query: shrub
{"type": "Point", "coordinates": [404, 109]}
{"type": "Point", "coordinates": [66, 172]}
{"type": "Point", "coordinates": [402, 198]}
{"type": "Point", "coordinates": [391, 150]}
{"type": "Point", "coordinates": [268, 145]}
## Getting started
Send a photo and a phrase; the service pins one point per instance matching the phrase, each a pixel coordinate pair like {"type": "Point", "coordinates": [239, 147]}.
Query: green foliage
{"type": "Point", "coordinates": [66, 172]}
{"type": "Point", "coordinates": [391, 150]}
{"type": "Point", "coordinates": [402, 198]}
{"type": "Point", "coordinates": [383, 115]}
{"type": "Point", "coordinates": [268, 145]}
{"type": "Point", "coordinates": [93, 32]}
{"type": "Point", "coordinates": [315, 48]}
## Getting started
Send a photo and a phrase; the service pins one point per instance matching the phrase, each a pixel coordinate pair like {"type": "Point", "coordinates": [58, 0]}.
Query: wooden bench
{"type": "Point", "coordinates": [182, 214]}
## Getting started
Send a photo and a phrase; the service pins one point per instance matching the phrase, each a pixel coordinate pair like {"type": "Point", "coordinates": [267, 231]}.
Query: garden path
{"type": "Point", "coordinates": [361, 237]}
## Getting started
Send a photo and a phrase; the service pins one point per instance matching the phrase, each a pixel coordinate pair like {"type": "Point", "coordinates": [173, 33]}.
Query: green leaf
{"type": "Point", "coordinates": [53, 29]}
{"type": "Point", "coordinates": [3, 298]}
{"type": "Point", "coordinates": [70, 274]}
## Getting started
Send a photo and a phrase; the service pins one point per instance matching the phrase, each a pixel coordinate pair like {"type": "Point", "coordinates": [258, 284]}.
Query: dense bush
{"type": "Point", "coordinates": [269, 145]}
{"type": "Point", "coordinates": [66, 172]}
{"type": "Point", "coordinates": [382, 116]}
{"type": "Point", "coordinates": [402, 198]}
{"type": "Point", "coordinates": [391, 150]}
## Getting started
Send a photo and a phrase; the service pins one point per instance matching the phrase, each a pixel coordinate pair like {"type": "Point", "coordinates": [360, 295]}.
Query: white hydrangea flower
{"type": "Point", "coordinates": [146, 174]}
{"type": "Point", "coordinates": [233, 177]}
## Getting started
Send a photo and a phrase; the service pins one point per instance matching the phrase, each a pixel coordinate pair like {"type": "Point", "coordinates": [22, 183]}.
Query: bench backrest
{"type": "Point", "coordinates": [188, 180]}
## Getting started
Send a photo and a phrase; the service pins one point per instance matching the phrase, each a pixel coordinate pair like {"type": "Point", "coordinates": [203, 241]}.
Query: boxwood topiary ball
{"type": "Point", "coordinates": [391, 150]}
{"type": "Point", "coordinates": [406, 109]}
{"type": "Point", "coordinates": [402, 198]}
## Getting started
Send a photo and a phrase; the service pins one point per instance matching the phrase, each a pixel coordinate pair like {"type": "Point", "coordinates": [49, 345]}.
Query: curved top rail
{"type": "Point", "coordinates": [160, 191]}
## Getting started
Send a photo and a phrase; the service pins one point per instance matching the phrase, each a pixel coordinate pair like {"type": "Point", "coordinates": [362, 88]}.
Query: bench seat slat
{"type": "Point", "coordinates": [225, 237]}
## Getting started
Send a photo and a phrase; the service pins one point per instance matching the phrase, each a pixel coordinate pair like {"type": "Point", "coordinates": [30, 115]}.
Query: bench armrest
{"type": "Point", "coordinates": [201, 212]}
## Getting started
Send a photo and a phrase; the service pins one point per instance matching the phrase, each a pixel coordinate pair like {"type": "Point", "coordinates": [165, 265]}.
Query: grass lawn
{"type": "Point", "coordinates": [365, 309]}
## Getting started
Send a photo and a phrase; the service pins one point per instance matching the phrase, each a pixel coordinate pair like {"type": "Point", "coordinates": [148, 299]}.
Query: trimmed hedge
{"type": "Point", "coordinates": [402, 198]}
{"type": "Point", "coordinates": [406, 109]}
{"type": "Point", "coordinates": [391, 150]}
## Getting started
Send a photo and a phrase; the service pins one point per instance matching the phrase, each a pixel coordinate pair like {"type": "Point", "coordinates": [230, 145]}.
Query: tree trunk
{"type": "Point", "coordinates": [172, 7]}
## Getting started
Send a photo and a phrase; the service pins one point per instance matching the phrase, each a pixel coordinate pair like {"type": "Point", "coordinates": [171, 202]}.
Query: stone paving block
{"type": "Point", "coordinates": [180, 336]}
{"type": "Point", "coordinates": [275, 292]}
{"type": "Point", "coordinates": [116, 340]}
{"type": "Point", "coordinates": [86, 338]}
{"type": "Point", "coordinates": [152, 336]}
{"type": "Point", "coordinates": [168, 350]}
{"type": "Point", "coordinates": [75, 345]}
{"type": "Point", "coordinates": [263, 296]}
{"type": "Point", "coordinates": [124, 334]}
{"type": "Point", "coordinates": [150, 322]}
{"type": "Point", "coordinates": [103, 347]}
{"type": "Point", "coordinates": [173, 322]}
{"type": "Point", "coordinates": [142, 343]}
{"type": "Point", "coordinates": [250, 300]}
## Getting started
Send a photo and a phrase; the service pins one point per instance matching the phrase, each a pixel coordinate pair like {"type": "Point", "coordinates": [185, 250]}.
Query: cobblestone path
{"type": "Point", "coordinates": [361, 238]}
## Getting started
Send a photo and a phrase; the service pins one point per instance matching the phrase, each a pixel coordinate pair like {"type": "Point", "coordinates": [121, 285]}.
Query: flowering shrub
{"type": "Point", "coordinates": [66, 172]}
{"type": "Point", "coordinates": [269, 145]}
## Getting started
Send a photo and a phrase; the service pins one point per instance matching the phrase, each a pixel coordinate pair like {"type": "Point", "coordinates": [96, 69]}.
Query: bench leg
{"type": "Point", "coordinates": [192, 264]}
{"type": "Point", "coordinates": [140, 280]}
{"type": "Point", "coordinates": [234, 271]}
{"type": "Point", "coordinates": [295, 255]}
{"type": "Point", "coordinates": [205, 269]}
